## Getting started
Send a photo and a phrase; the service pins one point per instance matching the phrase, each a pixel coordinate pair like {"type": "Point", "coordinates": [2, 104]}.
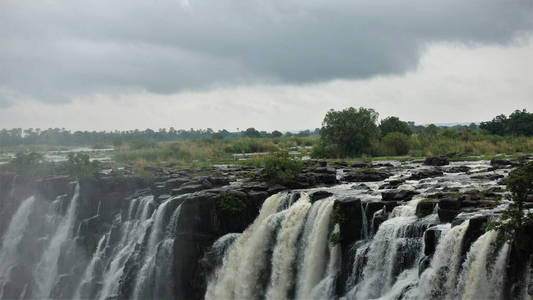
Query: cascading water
{"type": "Point", "coordinates": [47, 269]}
{"type": "Point", "coordinates": [283, 254]}
{"type": "Point", "coordinates": [9, 253]}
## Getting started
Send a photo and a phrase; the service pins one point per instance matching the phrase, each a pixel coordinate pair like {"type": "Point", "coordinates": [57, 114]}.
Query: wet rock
{"type": "Point", "coordinates": [458, 169]}
{"type": "Point", "coordinates": [425, 207]}
{"type": "Point", "coordinates": [189, 188]}
{"type": "Point", "coordinates": [361, 165]}
{"type": "Point", "coordinates": [398, 195]}
{"type": "Point", "coordinates": [423, 264]}
{"type": "Point", "coordinates": [362, 187]}
{"type": "Point", "coordinates": [392, 184]}
{"type": "Point", "coordinates": [431, 239]}
{"type": "Point", "coordinates": [498, 163]}
{"type": "Point", "coordinates": [488, 177]}
{"type": "Point", "coordinates": [450, 203]}
{"type": "Point", "coordinates": [162, 198]}
{"type": "Point", "coordinates": [319, 195]}
{"type": "Point", "coordinates": [174, 183]}
{"type": "Point", "coordinates": [349, 211]}
{"type": "Point", "coordinates": [447, 215]}
{"type": "Point", "coordinates": [366, 175]}
{"type": "Point", "coordinates": [436, 161]}
{"type": "Point", "coordinates": [473, 232]}
{"type": "Point", "coordinates": [427, 173]}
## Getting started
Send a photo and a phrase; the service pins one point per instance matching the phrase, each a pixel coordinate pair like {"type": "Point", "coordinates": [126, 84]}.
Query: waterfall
{"type": "Point", "coordinates": [439, 280]}
{"type": "Point", "coordinates": [285, 251]}
{"type": "Point", "coordinates": [132, 232]}
{"type": "Point", "coordinates": [88, 278]}
{"type": "Point", "coordinates": [151, 282]}
{"type": "Point", "coordinates": [480, 278]}
{"type": "Point", "coordinates": [284, 254]}
{"type": "Point", "coordinates": [364, 228]}
{"type": "Point", "coordinates": [46, 272]}
{"type": "Point", "coordinates": [315, 249]}
{"type": "Point", "coordinates": [9, 251]}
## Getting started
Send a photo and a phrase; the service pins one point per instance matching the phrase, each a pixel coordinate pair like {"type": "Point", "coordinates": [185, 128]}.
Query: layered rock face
{"type": "Point", "coordinates": [359, 231]}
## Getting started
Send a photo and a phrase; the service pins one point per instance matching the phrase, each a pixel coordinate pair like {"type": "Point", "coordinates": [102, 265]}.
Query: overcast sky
{"type": "Point", "coordinates": [269, 64]}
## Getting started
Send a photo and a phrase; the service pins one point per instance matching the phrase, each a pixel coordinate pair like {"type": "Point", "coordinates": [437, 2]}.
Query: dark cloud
{"type": "Point", "coordinates": [58, 50]}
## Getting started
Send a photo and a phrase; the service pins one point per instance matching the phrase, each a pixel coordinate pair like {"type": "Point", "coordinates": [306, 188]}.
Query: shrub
{"type": "Point", "coordinates": [396, 143]}
{"type": "Point", "coordinates": [230, 202]}
{"type": "Point", "coordinates": [513, 220]}
{"type": "Point", "coordinates": [279, 166]}
{"type": "Point", "coordinates": [80, 165]}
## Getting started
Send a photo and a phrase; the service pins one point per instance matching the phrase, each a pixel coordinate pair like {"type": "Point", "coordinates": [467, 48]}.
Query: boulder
{"type": "Point", "coordinates": [319, 195]}
{"type": "Point", "coordinates": [349, 210]}
{"type": "Point", "coordinates": [450, 203]}
{"type": "Point", "coordinates": [392, 184]}
{"type": "Point", "coordinates": [425, 207]}
{"type": "Point", "coordinates": [398, 195]}
{"type": "Point", "coordinates": [436, 161]}
{"type": "Point", "coordinates": [427, 173]}
{"type": "Point", "coordinates": [447, 215]}
{"type": "Point", "coordinates": [488, 177]}
{"type": "Point", "coordinates": [498, 163]}
{"type": "Point", "coordinates": [366, 175]}
{"type": "Point", "coordinates": [457, 169]}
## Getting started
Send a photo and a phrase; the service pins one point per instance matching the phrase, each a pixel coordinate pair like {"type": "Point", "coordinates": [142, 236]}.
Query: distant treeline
{"type": "Point", "coordinates": [518, 123]}
{"type": "Point", "coordinates": [63, 137]}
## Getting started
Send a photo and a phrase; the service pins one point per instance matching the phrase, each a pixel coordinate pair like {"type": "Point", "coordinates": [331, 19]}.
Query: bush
{"type": "Point", "coordinates": [513, 220]}
{"type": "Point", "coordinates": [396, 143]}
{"type": "Point", "coordinates": [230, 202]}
{"type": "Point", "coordinates": [80, 165]}
{"type": "Point", "coordinates": [350, 131]}
{"type": "Point", "coordinates": [279, 166]}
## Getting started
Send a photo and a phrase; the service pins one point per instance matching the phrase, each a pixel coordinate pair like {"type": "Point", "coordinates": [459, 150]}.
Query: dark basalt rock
{"type": "Point", "coordinates": [398, 195]}
{"type": "Point", "coordinates": [488, 177]}
{"type": "Point", "coordinates": [431, 239]}
{"type": "Point", "coordinates": [425, 207]}
{"type": "Point", "coordinates": [362, 187]}
{"type": "Point", "coordinates": [427, 173]}
{"type": "Point", "coordinates": [498, 163]}
{"type": "Point", "coordinates": [458, 169]}
{"type": "Point", "coordinates": [319, 195]}
{"type": "Point", "coordinates": [436, 161]}
{"type": "Point", "coordinates": [450, 203]}
{"type": "Point", "coordinates": [366, 175]}
{"type": "Point", "coordinates": [350, 228]}
{"type": "Point", "coordinates": [361, 165]}
{"type": "Point", "coordinates": [447, 215]}
{"type": "Point", "coordinates": [473, 232]}
{"type": "Point", "coordinates": [392, 184]}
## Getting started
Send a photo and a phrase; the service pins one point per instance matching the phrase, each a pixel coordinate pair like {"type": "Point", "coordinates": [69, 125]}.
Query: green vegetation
{"type": "Point", "coordinates": [395, 143]}
{"type": "Point", "coordinates": [335, 238]}
{"type": "Point", "coordinates": [231, 203]}
{"type": "Point", "coordinates": [279, 167]}
{"type": "Point", "coordinates": [425, 207]}
{"type": "Point", "coordinates": [394, 124]}
{"type": "Point", "coordinates": [353, 133]}
{"type": "Point", "coordinates": [518, 123]}
{"type": "Point", "coordinates": [337, 216]}
{"type": "Point", "coordinates": [347, 133]}
{"type": "Point", "coordinates": [80, 166]}
{"type": "Point", "coordinates": [513, 220]}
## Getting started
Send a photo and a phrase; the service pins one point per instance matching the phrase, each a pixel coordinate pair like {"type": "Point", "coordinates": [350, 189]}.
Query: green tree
{"type": "Point", "coordinates": [394, 124]}
{"type": "Point", "coordinates": [252, 133]}
{"type": "Point", "coordinates": [513, 219]}
{"type": "Point", "coordinates": [279, 166]}
{"type": "Point", "coordinates": [276, 133]}
{"type": "Point", "coordinates": [349, 132]}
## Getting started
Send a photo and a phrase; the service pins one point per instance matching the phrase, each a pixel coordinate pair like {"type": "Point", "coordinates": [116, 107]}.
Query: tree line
{"type": "Point", "coordinates": [63, 137]}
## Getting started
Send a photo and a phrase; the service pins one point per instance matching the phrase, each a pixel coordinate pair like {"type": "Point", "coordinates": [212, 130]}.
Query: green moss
{"type": "Point", "coordinates": [229, 202]}
{"type": "Point", "coordinates": [425, 207]}
{"type": "Point", "coordinates": [337, 216]}
{"type": "Point", "coordinates": [335, 238]}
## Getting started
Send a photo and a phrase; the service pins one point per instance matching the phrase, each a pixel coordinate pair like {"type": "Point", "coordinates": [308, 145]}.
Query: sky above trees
{"type": "Point", "coordinates": [268, 64]}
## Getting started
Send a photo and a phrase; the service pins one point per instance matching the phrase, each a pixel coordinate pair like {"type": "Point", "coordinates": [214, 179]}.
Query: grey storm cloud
{"type": "Point", "coordinates": [54, 51]}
